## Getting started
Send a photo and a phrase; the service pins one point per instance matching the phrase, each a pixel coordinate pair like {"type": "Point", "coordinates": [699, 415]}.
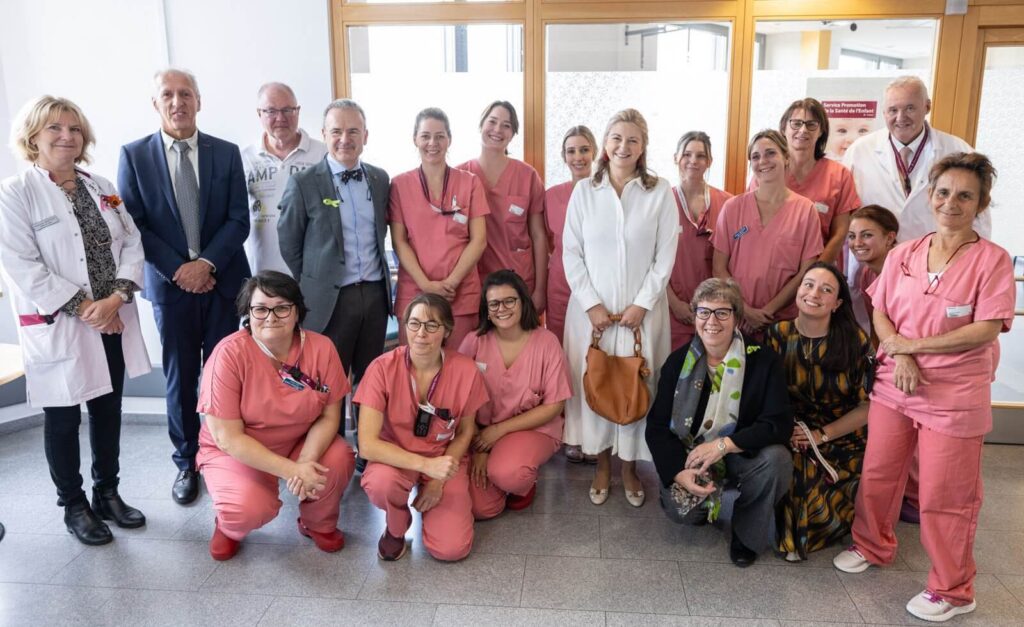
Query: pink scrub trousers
{"type": "Point", "coordinates": [246, 499]}
{"type": "Point", "coordinates": [447, 528]}
{"type": "Point", "coordinates": [950, 494]}
{"type": "Point", "coordinates": [511, 469]}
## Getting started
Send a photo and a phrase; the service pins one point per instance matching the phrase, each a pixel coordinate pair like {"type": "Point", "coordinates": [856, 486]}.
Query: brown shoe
{"type": "Point", "coordinates": [390, 548]}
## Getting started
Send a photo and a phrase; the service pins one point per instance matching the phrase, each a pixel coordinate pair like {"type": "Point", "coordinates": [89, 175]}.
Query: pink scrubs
{"type": "Point", "coordinates": [538, 376]}
{"type": "Point", "coordinates": [439, 240]}
{"type": "Point", "coordinates": [556, 200]}
{"type": "Point", "coordinates": [448, 527]}
{"type": "Point", "coordinates": [693, 255]}
{"type": "Point", "coordinates": [945, 418]}
{"type": "Point", "coordinates": [517, 195]}
{"type": "Point", "coordinates": [241, 383]}
{"type": "Point", "coordinates": [762, 258]}
{"type": "Point", "coordinates": [829, 185]}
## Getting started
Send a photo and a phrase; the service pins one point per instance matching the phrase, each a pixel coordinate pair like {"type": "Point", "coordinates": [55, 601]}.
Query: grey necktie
{"type": "Point", "coordinates": [186, 192]}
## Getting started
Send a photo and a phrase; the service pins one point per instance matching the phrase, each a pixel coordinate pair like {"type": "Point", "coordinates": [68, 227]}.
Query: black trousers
{"type": "Point", "coordinates": [60, 434]}
{"type": "Point", "coordinates": [358, 327]}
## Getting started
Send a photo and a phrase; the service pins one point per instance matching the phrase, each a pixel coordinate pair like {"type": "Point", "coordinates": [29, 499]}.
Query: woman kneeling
{"type": "Point", "coordinates": [271, 394]}
{"type": "Point", "coordinates": [417, 415]}
{"type": "Point", "coordinates": [722, 414]}
{"type": "Point", "coordinates": [527, 377]}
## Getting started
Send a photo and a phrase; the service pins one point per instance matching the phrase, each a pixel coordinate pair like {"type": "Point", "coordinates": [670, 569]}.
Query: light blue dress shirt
{"type": "Point", "coordinates": [358, 227]}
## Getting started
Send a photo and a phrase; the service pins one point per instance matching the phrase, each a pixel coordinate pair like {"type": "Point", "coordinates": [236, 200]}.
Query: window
{"type": "Point", "coordinates": [675, 73]}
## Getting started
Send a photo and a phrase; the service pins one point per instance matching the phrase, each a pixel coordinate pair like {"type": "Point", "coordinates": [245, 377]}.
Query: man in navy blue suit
{"type": "Point", "coordinates": [186, 192]}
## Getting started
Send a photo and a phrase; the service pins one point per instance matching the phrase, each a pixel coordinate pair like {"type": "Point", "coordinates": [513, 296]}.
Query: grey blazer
{"type": "Point", "coordinates": [310, 237]}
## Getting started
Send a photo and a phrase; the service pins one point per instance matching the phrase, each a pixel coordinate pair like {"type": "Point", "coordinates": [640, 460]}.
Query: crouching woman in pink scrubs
{"type": "Point", "coordinates": [417, 413]}
{"type": "Point", "coordinates": [527, 377]}
{"type": "Point", "coordinates": [939, 305]}
{"type": "Point", "coordinates": [271, 394]}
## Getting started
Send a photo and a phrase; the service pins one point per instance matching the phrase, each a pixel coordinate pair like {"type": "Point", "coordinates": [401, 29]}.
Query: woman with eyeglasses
{"type": "Point", "coordinates": [825, 182]}
{"type": "Point", "coordinates": [438, 229]}
{"type": "Point", "coordinates": [271, 398]}
{"type": "Point", "coordinates": [699, 205]}
{"type": "Point", "coordinates": [516, 236]}
{"type": "Point", "coordinates": [827, 360]}
{"type": "Point", "coordinates": [72, 259]}
{"type": "Point", "coordinates": [766, 239]}
{"type": "Point", "coordinates": [940, 304]}
{"type": "Point", "coordinates": [527, 378]}
{"type": "Point", "coordinates": [417, 418]}
{"type": "Point", "coordinates": [722, 415]}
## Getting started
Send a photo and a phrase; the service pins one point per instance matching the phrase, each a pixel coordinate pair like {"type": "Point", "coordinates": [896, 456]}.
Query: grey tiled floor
{"type": "Point", "coordinates": [562, 561]}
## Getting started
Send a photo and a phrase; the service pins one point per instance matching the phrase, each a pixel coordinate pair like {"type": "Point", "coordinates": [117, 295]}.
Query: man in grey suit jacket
{"type": "Point", "coordinates": [331, 233]}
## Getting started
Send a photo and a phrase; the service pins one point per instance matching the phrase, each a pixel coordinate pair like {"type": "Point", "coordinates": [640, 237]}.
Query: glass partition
{"type": "Point", "coordinates": [675, 73]}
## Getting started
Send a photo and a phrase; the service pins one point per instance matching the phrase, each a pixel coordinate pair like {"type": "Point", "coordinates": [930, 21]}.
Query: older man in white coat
{"type": "Point", "coordinates": [890, 166]}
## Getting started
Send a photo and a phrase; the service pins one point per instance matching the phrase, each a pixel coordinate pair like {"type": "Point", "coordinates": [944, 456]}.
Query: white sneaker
{"type": "Point", "coordinates": [932, 607]}
{"type": "Point", "coordinates": [851, 561]}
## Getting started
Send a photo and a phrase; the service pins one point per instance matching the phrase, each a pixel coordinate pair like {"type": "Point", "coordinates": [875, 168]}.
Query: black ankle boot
{"type": "Point", "coordinates": [84, 525]}
{"type": "Point", "coordinates": [108, 505]}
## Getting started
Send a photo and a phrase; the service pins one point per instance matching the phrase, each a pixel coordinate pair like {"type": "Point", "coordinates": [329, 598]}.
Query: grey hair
{"type": "Point", "coordinates": [345, 103]}
{"type": "Point", "coordinates": [726, 290]}
{"type": "Point", "coordinates": [275, 85]}
{"type": "Point", "coordinates": [159, 74]}
{"type": "Point", "coordinates": [908, 81]}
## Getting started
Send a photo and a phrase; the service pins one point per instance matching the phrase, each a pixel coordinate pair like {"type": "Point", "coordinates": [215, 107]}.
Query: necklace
{"type": "Point", "coordinates": [809, 346]}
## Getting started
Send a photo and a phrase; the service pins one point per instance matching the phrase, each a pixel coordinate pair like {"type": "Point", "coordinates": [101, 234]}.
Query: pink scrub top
{"type": "Point", "coordinates": [864, 278]}
{"type": "Point", "coordinates": [762, 258]}
{"type": "Point", "coordinates": [693, 255]}
{"type": "Point", "coordinates": [829, 185]}
{"type": "Point", "coordinates": [387, 388]}
{"type": "Point", "coordinates": [438, 240]}
{"type": "Point", "coordinates": [556, 200]}
{"type": "Point", "coordinates": [517, 195]}
{"type": "Point", "coordinates": [241, 383]}
{"type": "Point", "coordinates": [538, 376]}
{"type": "Point", "coordinates": [979, 285]}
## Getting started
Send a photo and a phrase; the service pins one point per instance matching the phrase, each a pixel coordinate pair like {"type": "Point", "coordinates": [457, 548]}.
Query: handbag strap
{"type": "Point", "coordinates": [595, 337]}
{"type": "Point", "coordinates": [821, 458]}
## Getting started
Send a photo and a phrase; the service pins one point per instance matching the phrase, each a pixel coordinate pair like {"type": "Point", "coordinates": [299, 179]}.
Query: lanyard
{"type": "Point", "coordinates": [906, 170]}
{"type": "Point", "coordinates": [701, 227]}
{"type": "Point", "coordinates": [444, 188]}
{"type": "Point", "coordinates": [412, 380]}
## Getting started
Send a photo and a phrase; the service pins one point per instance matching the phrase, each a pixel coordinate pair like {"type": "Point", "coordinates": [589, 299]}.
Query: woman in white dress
{"type": "Point", "coordinates": [619, 248]}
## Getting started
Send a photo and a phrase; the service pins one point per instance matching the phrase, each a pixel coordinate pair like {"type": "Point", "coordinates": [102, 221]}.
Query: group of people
{"type": "Point", "coordinates": [796, 352]}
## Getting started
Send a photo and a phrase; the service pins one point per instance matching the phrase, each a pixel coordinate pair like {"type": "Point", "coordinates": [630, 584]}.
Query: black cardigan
{"type": "Point", "coordinates": [765, 416]}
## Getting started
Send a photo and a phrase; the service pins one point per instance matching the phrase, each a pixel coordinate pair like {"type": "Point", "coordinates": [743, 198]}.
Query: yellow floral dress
{"type": "Point", "coordinates": [818, 512]}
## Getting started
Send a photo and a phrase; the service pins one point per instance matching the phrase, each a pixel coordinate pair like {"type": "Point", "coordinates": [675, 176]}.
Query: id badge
{"type": "Point", "coordinates": [959, 311]}
{"type": "Point", "coordinates": [821, 207]}
{"type": "Point", "coordinates": [516, 210]}
{"type": "Point", "coordinates": [460, 218]}
{"type": "Point", "coordinates": [481, 366]}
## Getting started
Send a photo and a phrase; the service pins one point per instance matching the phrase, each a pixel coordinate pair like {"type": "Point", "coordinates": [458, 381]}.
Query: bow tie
{"type": "Point", "coordinates": [351, 174]}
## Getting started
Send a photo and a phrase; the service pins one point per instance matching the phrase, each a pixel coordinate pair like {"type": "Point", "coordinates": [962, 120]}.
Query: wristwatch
{"type": "Point", "coordinates": [721, 445]}
{"type": "Point", "coordinates": [124, 295]}
{"type": "Point", "coordinates": [824, 436]}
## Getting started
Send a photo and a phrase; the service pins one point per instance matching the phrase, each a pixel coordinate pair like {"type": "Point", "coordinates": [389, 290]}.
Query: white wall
{"type": "Point", "coordinates": [102, 54]}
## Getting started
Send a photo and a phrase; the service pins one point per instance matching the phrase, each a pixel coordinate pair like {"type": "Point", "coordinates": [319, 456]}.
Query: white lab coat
{"type": "Point", "coordinates": [616, 253]}
{"type": "Point", "coordinates": [43, 263]}
{"type": "Point", "coordinates": [873, 164]}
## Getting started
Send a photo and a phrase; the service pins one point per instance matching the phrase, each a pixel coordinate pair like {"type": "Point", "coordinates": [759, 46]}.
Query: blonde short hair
{"type": "Point", "coordinates": [35, 115]}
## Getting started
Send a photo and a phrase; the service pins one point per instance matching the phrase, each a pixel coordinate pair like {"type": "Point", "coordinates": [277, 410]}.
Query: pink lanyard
{"type": "Point", "coordinates": [412, 380]}
{"type": "Point", "coordinates": [907, 170]}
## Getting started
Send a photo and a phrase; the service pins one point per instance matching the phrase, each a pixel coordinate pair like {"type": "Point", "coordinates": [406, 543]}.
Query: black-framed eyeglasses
{"type": "Point", "coordinates": [414, 325]}
{"type": "Point", "coordinates": [287, 111]}
{"type": "Point", "coordinates": [722, 313]}
{"type": "Point", "coordinates": [507, 303]}
{"type": "Point", "coordinates": [812, 125]}
{"type": "Point", "coordinates": [259, 312]}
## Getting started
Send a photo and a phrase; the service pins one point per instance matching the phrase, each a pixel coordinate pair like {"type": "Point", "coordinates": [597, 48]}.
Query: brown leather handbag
{"type": "Point", "coordinates": [614, 386]}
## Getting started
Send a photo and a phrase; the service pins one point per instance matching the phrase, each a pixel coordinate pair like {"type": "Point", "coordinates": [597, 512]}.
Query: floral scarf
{"type": "Point", "coordinates": [720, 415]}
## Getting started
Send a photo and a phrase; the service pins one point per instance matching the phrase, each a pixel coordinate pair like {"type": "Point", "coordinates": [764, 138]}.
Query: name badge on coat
{"type": "Point", "coordinates": [460, 218]}
{"type": "Point", "coordinates": [516, 210]}
{"type": "Point", "coordinates": [45, 222]}
{"type": "Point", "coordinates": [821, 207]}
